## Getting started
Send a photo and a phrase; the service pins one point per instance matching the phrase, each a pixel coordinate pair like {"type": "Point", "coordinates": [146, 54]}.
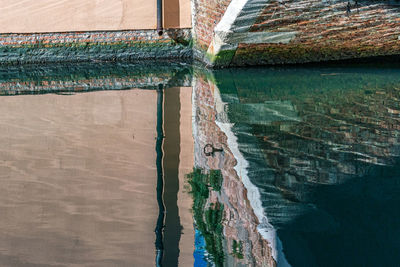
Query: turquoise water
{"type": "Point", "coordinates": [304, 172]}
{"type": "Point", "coordinates": [323, 149]}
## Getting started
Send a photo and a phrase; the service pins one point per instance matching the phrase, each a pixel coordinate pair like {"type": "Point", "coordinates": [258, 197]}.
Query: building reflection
{"type": "Point", "coordinates": [310, 136]}
{"type": "Point", "coordinates": [78, 160]}
{"type": "Point", "coordinates": [291, 165]}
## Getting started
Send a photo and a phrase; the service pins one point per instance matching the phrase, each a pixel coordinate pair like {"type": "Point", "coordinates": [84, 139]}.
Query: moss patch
{"type": "Point", "coordinates": [237, 249]}
{"type": "Point", "coordinates": [265, 54]}
{"type": "Point", "coordinates": [223, 58]}
{"type": "Point", "coordinates": [208, 220]}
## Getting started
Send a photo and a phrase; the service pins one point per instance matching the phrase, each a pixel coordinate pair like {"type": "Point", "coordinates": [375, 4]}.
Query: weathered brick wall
{"type": "Point", "coordinates": [324, 30]}
{"type": "Point", "coordinates": [239, 221]}
{"type": "Point", "coordinates": [207, 14]}
{"type": "Point", "coordinates": [88, 46]}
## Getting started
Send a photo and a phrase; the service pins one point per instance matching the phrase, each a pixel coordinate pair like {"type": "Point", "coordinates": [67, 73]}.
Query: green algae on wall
{"type": "Point", "coordinates": [237, 249]}
{"type": "Point", "coordinates": [272, 54]}
{"type": "Point", "coordinates": [222, 59]}
{"type": "Point", "coordinates": [95, 46]}
{"type": "Point", "coordinates": [89, 52]}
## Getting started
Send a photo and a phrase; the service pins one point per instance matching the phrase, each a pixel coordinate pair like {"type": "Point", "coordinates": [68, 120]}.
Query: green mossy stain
{"type": "Point", "coordinates": [79, 52]}
{"type": "Point", "coordinates": [299, 53]}
{"type": "Point", "coordinates": [237, 249]}
{"type": "Point", "coordinates": [87, 45]}
{"type": "Point", "coordinates": [215, 179]}
{"type": "Point", "coordinates": [223, 58]}
{"type": "Point", "coordinates": [208, 219]}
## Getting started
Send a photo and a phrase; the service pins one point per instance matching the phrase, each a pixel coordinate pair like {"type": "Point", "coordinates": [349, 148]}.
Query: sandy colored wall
{"type": "Point", "coordinates": [28, 16]}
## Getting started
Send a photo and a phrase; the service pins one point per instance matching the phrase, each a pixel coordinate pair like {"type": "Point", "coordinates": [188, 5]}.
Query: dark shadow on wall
{"type": "Point", "coordinates": [171, 14]}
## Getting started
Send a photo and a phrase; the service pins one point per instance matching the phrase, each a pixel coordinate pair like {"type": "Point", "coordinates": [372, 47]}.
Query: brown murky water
{"type": "Point", "coordinates": [78, 180]}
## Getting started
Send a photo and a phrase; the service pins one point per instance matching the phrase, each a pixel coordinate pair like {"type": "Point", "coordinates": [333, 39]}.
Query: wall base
{"type": "Point", "coordinates": [95, 46]}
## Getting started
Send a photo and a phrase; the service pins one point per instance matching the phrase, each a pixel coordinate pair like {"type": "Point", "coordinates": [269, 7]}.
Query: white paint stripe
{"type": "Point", "coordinates": [230, 16]}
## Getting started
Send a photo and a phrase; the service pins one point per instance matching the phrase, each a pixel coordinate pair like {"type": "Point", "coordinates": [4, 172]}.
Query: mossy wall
{"type": "Point", "coordinates": [95, 46]}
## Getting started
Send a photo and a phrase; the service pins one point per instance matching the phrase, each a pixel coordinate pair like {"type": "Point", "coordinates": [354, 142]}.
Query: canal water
{"type": "Point", "coordinates": [173, 165]}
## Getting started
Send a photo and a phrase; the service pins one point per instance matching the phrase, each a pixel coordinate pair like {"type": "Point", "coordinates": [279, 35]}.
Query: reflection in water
{"type": "Point", "coordinates": [173, 227]}
{"type": "Point", "coordinates": [321, 146]}
{"type": "Point", "coordinates": [304, 170]}
{"type": "Point", "coordinates": [208, 214]}
{"type": "Point", "coordinates": [75, 188]}
{"type": "Point", "coordinates": [242, 244]}
{"type": "Point", "coordinates": [160, 179]}
{"type": "Point", "coordinates": [78, 171]}
{"type": "Point", "coordinates": [86, 77]}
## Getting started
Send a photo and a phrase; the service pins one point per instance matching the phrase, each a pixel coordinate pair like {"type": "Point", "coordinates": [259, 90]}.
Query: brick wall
{"type": "Point", "coordinates": [207, 14]}
{"type": "Point", "coordinates": [324, 30]}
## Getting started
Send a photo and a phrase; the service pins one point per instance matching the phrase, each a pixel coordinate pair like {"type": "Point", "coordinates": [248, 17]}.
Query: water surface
{"type": "Point", "coordinates": [305, 168]}
{"type": "Point", "coordinates": [322, 146]}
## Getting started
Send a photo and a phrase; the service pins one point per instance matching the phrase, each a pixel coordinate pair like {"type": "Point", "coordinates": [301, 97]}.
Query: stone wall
{"type": "Point", "coordinates": [225, 33]}
{"type": "Point", "coordinates": [94, 46]}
